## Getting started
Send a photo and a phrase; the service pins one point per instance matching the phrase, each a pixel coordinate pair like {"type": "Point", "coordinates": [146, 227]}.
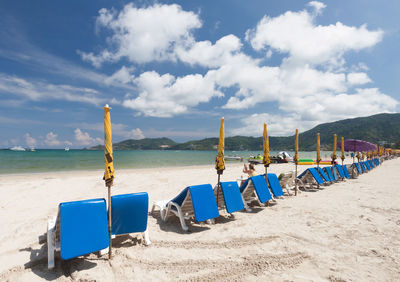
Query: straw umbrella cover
{"type": "Point", "coordinates": [109, 165]}
{"type": "Point", "coordinates": [220, 161]}
{"type": "Point", "coordinates": [296, 158]}
{"type": "Point", "coordinates": [342, 149]}
{"type": "Point", "coordinates": [318, 152]}
{"type": "Point", "coordinates": [266, 158]}
{"type": "Point", "coordinates": [334, 149]}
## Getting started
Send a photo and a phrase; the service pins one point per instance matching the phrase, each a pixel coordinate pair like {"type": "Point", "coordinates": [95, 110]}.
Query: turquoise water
{"type": "Point", "coordinates": [60, 160]}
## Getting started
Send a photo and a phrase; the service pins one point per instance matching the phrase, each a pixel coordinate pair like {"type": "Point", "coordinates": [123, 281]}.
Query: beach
{"type": "Point", "coordinates": [347, 231]}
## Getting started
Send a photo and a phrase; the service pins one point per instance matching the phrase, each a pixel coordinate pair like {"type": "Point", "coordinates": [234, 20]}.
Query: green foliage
{"type": "Point", "coordinates": [382, 127]}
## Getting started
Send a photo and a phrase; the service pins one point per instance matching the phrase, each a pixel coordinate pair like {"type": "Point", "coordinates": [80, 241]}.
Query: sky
{"type": "Point", "coordinates": [174, 68]}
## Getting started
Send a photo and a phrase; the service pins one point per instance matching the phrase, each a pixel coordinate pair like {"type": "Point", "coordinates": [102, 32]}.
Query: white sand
{"type": "Point", "coordinates": [348, 231]}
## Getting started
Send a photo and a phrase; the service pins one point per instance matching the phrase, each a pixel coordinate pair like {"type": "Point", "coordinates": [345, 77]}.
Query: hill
{"type": "Point", "coordinates": [376, 128]}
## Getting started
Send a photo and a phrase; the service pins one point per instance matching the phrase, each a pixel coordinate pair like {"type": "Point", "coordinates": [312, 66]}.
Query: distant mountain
{"type": "Point", "coordinates": [377, 128]}
{"type": "Point", "coordinates": [142, 144]}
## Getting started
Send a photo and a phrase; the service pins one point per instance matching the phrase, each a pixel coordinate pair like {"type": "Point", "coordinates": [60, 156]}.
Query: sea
{"type": "Point", "coordinates": [60, 160]}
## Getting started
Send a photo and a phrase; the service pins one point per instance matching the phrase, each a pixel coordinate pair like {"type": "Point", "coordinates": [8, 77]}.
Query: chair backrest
{"type": "Point", "coordinates": [286, 177]}
{"type": "Point", "coordinates": [371, 163]}
{"type": "Point", "coordinates": [261, 188]}
{"type": "Point", "coordinates": [232, 197]}
{"type": "Point", "coordinates": [274, 184]}
{"type": "Point", "coordinates": [203, 201]}
{"type": "Point", "coordinates": [334, 172]}
{"type": "Point", "coordinates": [83, 227]}
{"type": "Point", "coordinates": [316, 175]}
{"type": "Point", "coordinates": [325, 173]}
{"type": "Point", "coordinates": [366, 165]}
{"type": "Point", "coordinates": [129, 213]}
{"type": "Point", "coordinates": [358, 167]}
{"type": "Point", "coordinates": [340, 170]}
{"type": "Point", "coordinates": [346, 171]}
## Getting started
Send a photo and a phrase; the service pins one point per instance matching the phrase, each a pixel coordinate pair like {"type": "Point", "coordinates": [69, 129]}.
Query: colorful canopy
{"type": "Point", "coordinates": [108, 150]}
{"type": "Point", "coordinates": [353, 145]}
{"type": "Point", "coordinates": [220, 161]}
{"type": "Point", "coordinates": [266, 159]}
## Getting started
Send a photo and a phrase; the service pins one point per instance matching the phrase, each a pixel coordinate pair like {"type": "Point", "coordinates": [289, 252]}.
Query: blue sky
{"type": "Point", "coordinates": [174, 68]}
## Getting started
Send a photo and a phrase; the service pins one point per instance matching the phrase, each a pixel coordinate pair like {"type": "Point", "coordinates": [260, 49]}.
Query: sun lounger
{"type": "Point", "coordinates": [326, 174]}
{"type": "Point", "coordinates": [228, 196]}
{"type": "Point", "coordinates": [377, 162]}
{"type": "Point", "coordinates": [346, 171]}
{"type": "Point", "coordinates": [334, 173]}
{"type": "Point", "coordinates": [365, 164]}
{"type": "Point", "coordinates": [287, 180]}
{"type": "Point", "coordinates": [371, 164]}
{"type": "Point", "coordinates": [339, 169]}
{"type": "Point", "coordinates": [80, 228]}
{"type": "Point", "coordinates": [255, 189]}
{"type": "Point", "coordinates": [358, 168]}
{"type": "Point", "coordinates": [197, 202]}
{"type": "Point", "coordinates": [274, 185]}
{"type": "Point", "coordinates": [129, 214]}
{"type": "Point", "coordinates": [310, 177]}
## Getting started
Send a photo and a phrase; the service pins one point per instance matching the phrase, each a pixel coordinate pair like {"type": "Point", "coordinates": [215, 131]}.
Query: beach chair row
{"type": "Point", "coordinates": [203, 202]}
{"type": "Point", "coordinates": [313, 178]}
{"type": "Point", "coordinates": [81, 227]}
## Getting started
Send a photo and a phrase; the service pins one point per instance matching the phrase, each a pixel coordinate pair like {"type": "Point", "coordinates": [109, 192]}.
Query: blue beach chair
{"type": "Point", "coordinates": [371, 164]}
{"type": "Point", "coordinates": [358, 168]}
{"type": "Point", "coordinates": [366, 164]}
{"type": "Point", "coordinates": [340, 170]}
{"type": "Point", "coordinates": [80, 228]}
{"type": "Point", "coordinates": [334, 173]}
{"type": "Point", "coordinates": [129, 214]}
{"type": "Point", "coordinates": [194, 202]}
{"type": "Point", "coordinates": [255, 189]}
{"type": "Point", "coordinates": [325, 175]}
{"type": "Point", "coordinates": [346, 171]}
{"type": "Point", "coordinates": [310, 177]}
{"type": "Point", "coordinates": [274, 185]}
{"type": "Point", "coordinates": [228, 196]}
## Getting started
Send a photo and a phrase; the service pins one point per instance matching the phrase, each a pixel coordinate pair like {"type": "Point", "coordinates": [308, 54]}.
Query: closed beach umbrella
{"type": "Point", "coordinates": [334, 148]}
{"type": "Point", "coordinates": [342, 149]}
{"type": "Point", "coordinates": [109, 165]}
{"type": "Point", "coordinates": [266, 158]}
{"type": "Point", "coordinates": [220, 161]}
{"type": "Point", "coordinates": [318, 150]}
{"type": "Point", "coordinates": [296, 157]}
{"type": "Point", "coordinates": [362, 155]}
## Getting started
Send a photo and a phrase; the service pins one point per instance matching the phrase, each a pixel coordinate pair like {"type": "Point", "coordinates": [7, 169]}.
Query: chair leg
{"type": "Point", "coordinates": [51, 233]}
{"type": "Point", "coordinates": [180, 215]}
{"type": "Point", "coordinates": [146, 237]}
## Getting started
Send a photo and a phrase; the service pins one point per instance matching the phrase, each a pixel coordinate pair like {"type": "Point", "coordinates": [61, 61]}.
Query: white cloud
{"type": "Point", "coordinates": [123, 75]}
{"type": "Point", "coordinates": [144, 34]}
{"type": "Point", "coordinates": [296, 33]}
{"type": "Point", "coordinates": [39, 91]}
{"type": "Point", "coordinates": [52, 139]}
{"type": "Point", "coordinates": [358, 78]}
{"type": "Point", "coordinates": [84, 138]}
{"type": "Point", "coordinates": [165, 95]}
{"type": "Point", "coordinates": [136, 134]}
{"type": "Point", "coordinates": [30, 141]}
{"type": "Point", "coordinates": [318, 6]}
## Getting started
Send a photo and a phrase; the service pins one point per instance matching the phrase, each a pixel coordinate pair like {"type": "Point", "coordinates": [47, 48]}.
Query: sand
{"type": "Point", "coordinates": [348, 231]}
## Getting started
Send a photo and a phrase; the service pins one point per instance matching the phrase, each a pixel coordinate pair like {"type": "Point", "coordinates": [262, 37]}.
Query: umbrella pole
{"type": "Point", "coordinates": [318, 170]}
{"type": "Point", "coordinates": [109, 222]}
{"type": "Point", "coordinates": [295, 181]}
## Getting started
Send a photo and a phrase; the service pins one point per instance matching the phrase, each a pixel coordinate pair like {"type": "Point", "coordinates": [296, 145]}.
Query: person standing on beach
{"type": "Point", "coordinates": [251, 171]}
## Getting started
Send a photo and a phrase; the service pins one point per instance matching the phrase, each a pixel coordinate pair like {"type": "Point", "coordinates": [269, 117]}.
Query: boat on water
{"type": "Point", "coordinates": [17, 148]}
{"type": "Point", "coordinates": [233, 158]}
{"type": "Point", "coordinates": [32, 150]}
{"type": "Point", "coordinates": [66, 149]}
{"type": "Point", "coordinates": [255, 159]}
{"type": "Point", "coordinates": [282, 157]}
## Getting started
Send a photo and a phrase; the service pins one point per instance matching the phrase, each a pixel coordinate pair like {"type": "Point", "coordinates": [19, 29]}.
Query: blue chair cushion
{"type": "Point", "coordinates": [129, 213]}
{"type": "Point", "coordinates": [316, 175]}
{"type": "Point", "coordinates": [333, 170]}
{"type": "Point", "coordinates": [358, 167]}
{"type": "Point", "coordinates": [275, 185]}
{"type": "Point", "coordinates": [340, 170]}
{"type": "Point", "coordinates": [232, 197]}
{"type": "Point", "coordinates": [204, 203]}
{"type": "Point", "coordinates": [83, 227]}
{"type": "Point", "coordinates": [346, 171]}
{"type": "Point", "coordinates": [326, 176]}
{"type": "Point", "coordinates": [366, 165]}
{"type": "Point", "coordinates": [261, 187]}
{"type": "Point", "coordinates": [371, 163]}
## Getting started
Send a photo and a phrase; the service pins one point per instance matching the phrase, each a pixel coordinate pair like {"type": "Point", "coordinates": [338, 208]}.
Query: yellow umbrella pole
{"type": "Point", "coordinates": [342, 149]}
{"type": "Point", "coordinates": [266, 158]}
{"type": "Point", "coordinates": [296, 159]}
{"type": "Point", "coordinates": [334, 149]}
{"type": "Point", "coordinates": [220, 161]}
{"type": "Point", "coordinates": [318, 152]}
{"type": "Point", "coordinates": [109, 166]}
